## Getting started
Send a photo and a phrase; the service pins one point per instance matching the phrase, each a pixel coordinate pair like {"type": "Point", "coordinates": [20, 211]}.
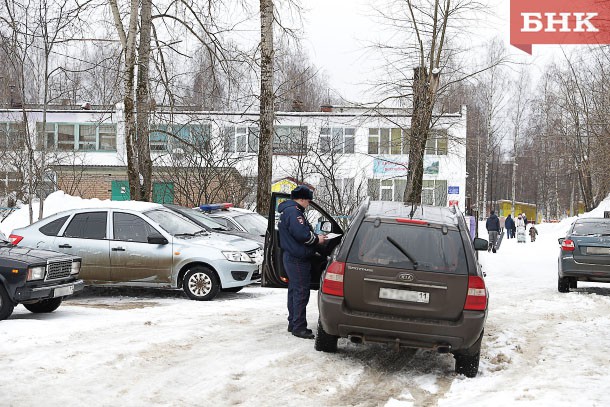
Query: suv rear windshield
{"type": "Point", "coordinates": [428, 246]}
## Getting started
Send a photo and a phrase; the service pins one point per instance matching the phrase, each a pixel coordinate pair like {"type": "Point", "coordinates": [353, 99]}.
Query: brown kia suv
{"type": "Point", "coordinates": [403, 275]}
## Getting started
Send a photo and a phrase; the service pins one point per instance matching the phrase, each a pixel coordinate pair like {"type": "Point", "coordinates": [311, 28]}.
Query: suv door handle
{"type": "Point", "coordinates": [118, 249]}
{"type": "Point", "coordinates": [65, 246]}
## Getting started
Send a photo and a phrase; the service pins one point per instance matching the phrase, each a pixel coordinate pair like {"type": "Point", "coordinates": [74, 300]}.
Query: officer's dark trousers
{"type": "Point", "coordinates": [299, 276]}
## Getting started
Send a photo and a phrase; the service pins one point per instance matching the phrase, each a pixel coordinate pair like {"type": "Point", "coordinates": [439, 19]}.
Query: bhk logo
{"type": "Point", "coordinates": [559, 22]}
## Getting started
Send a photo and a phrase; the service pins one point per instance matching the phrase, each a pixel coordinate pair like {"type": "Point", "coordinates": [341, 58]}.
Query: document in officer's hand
{"type": "Point", "coordinates": [332, 235]}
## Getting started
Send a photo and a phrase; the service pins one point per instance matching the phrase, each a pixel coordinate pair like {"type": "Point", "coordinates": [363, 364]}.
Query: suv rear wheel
{"type": "Point", "coordinates": [563, 284]}
{"type": "Point", "coordinates": [6, 306]}
{"type": "Point", "coordinates": [467, 361]}
{"type": "Point", "coordinates": [44, 306]}
{"type": "Point", "coordinates": [325, 342]}
{"type": "Point", "coordinates": [468, 365]}
{"type": "Point", "coordinates": [200, 284]}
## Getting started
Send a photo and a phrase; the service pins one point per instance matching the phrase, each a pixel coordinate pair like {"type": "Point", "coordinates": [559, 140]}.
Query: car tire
{"type": "Point", "coordinates": [573, 282]}
{"type": "Point", "coordinates": [467, 361]}
{"type": "Point", "coordinates": [324, 341]}
{"type": "Point", "coordinates": [200, 284]}
{"type": "Point", "coordinates": [231, 289]}
{"type": "Point", "coordinates": [44, 306]}
{"type": "Point", "coordinates": [6, 305]}
{"type": "Point", "coordinates": [468, 365]}
{"type": "Point", "coordinates": [563, 284]}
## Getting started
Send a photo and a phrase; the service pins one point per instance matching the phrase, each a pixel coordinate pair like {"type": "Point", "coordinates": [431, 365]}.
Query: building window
{"type": "Point", "coordinates": [164, 136]}
{"type": "Point", "coordinates": [241, 139]}
{"type": "Point", "coordinates": [388, 141]}
{"type": "Point", "coordinates": [339, 187]}
{"type": "Point", "coordinates": [337, 140]}
{"type": "Point", "coordinates": [10, 181]}
{"type": "Point", "coordinates": [12, 135]}
{"type": "Point", "coordinates": [77, 136]}
{"type": "Point", "coordinates": [434, 192]}
{"type": "Point", "coordinates": [290, 140]}
{"type": "Point", "coordinates": [387, 190]}
{"type": "Point", "coordinates": [437, 142]}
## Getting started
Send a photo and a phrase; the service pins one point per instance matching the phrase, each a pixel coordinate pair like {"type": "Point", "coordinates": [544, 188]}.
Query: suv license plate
{"type": "Point", "coordinates": [62, 291]}
{"type": "Point", "coordinates": [404, 295]}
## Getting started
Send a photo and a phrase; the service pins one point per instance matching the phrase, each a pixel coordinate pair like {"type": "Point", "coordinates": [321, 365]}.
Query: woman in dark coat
{"type": "Point", "coordinates": [509, 224]}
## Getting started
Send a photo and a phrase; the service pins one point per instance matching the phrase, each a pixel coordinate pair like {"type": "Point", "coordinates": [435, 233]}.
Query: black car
{"type": "Point", "coordinates": [584, 254]}
{"type": "Point", "coordinates": [402, 275]}
{"type": "Point", "coordinates": [38, 279]}
{"type": "Point", "coordinates": [211, 225]}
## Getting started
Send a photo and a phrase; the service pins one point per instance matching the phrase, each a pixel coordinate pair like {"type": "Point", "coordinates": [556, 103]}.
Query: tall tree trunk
{"type": "Point", "coordinates": [267, 113]}
{"type": "Point", "coordinates": [424, 90]}
{"type": "Point", "coordinates": [133, 174]}
{"type": "Point", "coordinates": [143, 103]}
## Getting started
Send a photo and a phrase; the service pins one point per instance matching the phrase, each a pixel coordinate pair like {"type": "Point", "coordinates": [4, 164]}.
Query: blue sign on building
{"type": "Point", "coordinates": [454, 190]}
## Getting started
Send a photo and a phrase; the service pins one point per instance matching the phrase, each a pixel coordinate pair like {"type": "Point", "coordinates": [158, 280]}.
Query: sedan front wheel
{"type": "Point", "coordinates": [200, 284]}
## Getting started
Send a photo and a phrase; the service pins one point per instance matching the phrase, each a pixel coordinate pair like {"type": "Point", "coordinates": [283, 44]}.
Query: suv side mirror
{"type": "Point", "coordinates": [480, 244]}
{"type": "Point", "coordinates": [156, 238]}
{"type": "Point", "coordinates": [326, 226]}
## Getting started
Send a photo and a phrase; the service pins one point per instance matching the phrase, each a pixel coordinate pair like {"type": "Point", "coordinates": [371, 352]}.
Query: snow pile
{"type": "Point", "coordinates": [60, 201]}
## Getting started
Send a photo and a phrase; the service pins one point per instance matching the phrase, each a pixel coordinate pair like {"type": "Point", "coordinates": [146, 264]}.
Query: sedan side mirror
{"type": "Point", "coordinates": [480, 244]}
{"type": "Point", "coordinates": [156, 238]}
{"type": "Point", "coordinates": [561, 239]}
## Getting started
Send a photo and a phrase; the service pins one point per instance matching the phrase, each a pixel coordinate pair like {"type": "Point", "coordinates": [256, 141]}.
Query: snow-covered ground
{"type": "Point", "coordinates": [129, 347]}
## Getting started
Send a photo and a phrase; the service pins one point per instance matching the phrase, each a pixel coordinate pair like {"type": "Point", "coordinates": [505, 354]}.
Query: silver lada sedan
{"type": "Point", "coordinates": [150, 247]}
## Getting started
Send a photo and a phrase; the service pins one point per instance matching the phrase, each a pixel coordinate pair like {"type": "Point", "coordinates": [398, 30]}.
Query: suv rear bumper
{"type": "Point", "coordinates": [27, 293]}
{"type": "Point", "coordinates": [418, 333]}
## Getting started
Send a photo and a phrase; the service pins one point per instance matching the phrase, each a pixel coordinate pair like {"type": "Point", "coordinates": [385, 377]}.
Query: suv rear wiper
{"type": "Point", "coordinates": [403, 251]}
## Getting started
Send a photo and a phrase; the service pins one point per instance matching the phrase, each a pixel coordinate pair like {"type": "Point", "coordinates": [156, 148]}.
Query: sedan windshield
{"type": "Point", "coordinates": [253, 223]}
{"type": "Point", "coordinates": [173, 223]}
{"type": "Point", "coordinates": [205, 219]}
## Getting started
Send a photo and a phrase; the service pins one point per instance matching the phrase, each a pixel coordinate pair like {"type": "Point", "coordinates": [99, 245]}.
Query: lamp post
{"type": "Point", "coordinates": [514, 185]}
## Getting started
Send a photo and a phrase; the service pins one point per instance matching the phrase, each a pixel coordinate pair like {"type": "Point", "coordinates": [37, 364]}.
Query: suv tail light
{"type": "Point", "coordinates": [476, 300]}
{"type": "Point", "coordinates": [15, 239]}
{"type": "Point", "coordinates": [333, 279]}
{"type": "Point", "coordinates": [567, 245]}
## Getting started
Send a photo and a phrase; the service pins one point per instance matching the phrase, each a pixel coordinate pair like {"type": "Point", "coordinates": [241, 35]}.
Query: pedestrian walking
{"type": "Point", "coordinates": [520, 225]}
{"type": "Point", "coordinates": [533, 233]}
{"type": "Point", "coordinates": [509, 223]}
{"type": "Point", "coordinates": [298, 241]}
{"type": "Point", "coordinates": [502, 224]}
{"type": "Point", "coordinates": [493, 228]}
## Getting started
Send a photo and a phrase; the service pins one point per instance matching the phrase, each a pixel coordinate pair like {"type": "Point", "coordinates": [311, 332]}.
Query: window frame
{"type": "Point", "coordinates": [382, 140]}
{"type": "Point", "coordinates": [52, 132]}
{"type": "Point", "coordinates": [333, 142]}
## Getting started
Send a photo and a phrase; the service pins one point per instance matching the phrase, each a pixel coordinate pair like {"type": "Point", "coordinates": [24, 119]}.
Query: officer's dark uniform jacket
{"type": "Point", "coordinates": [296, 234]}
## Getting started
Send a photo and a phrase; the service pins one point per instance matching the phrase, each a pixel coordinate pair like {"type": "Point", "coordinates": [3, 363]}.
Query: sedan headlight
{"type": "Point", "coordinates": [75, 267]}
{"type": "Point", "coordinates": [238, 256]}
{"type": "Point", "coordinates": [36, 273]}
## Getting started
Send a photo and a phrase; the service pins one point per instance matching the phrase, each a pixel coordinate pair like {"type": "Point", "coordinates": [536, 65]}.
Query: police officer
{"type": "Point", "coordinates": [298, 242]}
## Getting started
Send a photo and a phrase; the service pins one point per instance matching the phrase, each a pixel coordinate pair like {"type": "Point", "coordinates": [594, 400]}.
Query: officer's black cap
{"type": "Point", "coordinates": [301, 192]}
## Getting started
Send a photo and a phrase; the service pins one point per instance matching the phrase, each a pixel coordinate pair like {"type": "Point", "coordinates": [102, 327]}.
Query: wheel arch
{"type": "Point", "coordinates": [190, 265]}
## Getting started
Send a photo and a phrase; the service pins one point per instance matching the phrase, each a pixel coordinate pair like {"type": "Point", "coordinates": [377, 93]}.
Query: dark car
{"type": "Point", "coordinates": [402, 275]}
{"type": "Point", "coordinates": [585, 253]}
{"type": "Point", "coordinates": [212, 225]}
{"type": "Point", "coordinates": [237, 220]}
{"type": "Point", "coordinates": [38, 279]}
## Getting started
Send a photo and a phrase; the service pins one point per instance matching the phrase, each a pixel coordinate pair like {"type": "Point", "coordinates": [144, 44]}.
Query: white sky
{"type": "Point", "coordinates": [337, 31]}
